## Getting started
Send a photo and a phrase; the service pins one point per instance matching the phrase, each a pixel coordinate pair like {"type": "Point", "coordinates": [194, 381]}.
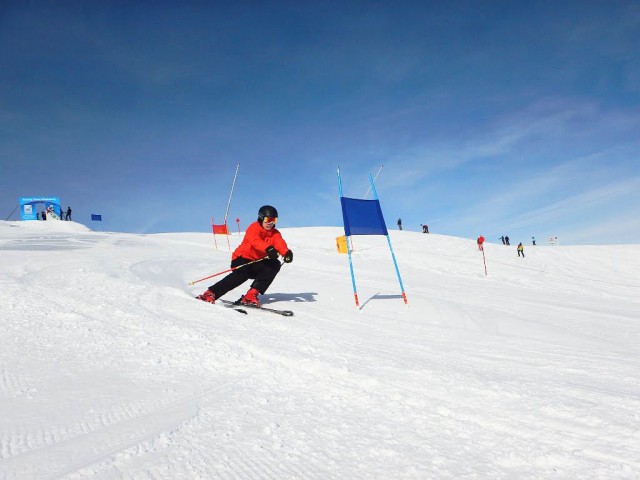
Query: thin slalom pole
{"type": "Point", "coordinates": [393, 256]}
{"type": "Point", "coordinates": [374, 179]}
{"type": "Point", "coordinates": [228, 270]}
{"type": "Point", "coordinates": [230, 194]}
{"type": "Point", "coordinates": [12, 212]}
{"type": "Point", "coordinates": [368, 190]}
{"type": "Point", "coordinates": [353, 278]}
{"type": "Point", "coordinates": [228, 235]}
{"type": "Point", "coordinates": [213, 230]}
{"type": "Point", "coordinates": [483, 260]}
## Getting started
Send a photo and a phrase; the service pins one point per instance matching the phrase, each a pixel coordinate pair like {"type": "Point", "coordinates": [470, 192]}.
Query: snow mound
{"type": "Point", "coordinates": [48, 226]}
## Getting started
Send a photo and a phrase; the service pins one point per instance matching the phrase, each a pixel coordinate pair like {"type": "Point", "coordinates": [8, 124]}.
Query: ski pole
{"type": "Point", "coordinates": [228, 270]}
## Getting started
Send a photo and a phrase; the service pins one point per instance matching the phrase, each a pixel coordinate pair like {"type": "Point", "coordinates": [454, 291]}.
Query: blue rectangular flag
{"type": "Point", "coordinates": [96, 218]}
{"type": "Point", "coordinates": [362, 217]}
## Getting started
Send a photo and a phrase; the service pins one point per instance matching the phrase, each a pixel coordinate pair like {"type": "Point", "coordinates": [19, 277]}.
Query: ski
{"type": "Point", "coordinates": [232, 306]}
{"type": "Point", "coordinates": [284, 313]}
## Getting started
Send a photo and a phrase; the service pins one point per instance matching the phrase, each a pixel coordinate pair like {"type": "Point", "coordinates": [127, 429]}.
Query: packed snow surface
{"type": "Point", "coordinates": [109, 368]}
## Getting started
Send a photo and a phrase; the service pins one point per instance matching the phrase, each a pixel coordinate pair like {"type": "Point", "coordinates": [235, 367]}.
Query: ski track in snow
{"type": "Point", "coordinates": [110, 369]}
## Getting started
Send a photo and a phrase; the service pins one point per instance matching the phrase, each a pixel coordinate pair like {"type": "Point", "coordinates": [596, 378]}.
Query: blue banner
{"type": "Point", "coordinates": [29, 206]}
{"type": "Point", "coordinates": [362, 217]}
{"type": "Point", "coordinates": [96, 218]}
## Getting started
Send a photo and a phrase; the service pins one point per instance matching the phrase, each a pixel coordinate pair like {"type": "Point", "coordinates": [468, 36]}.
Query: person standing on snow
{"type": "Point", "coordinates": [520, 249]}
{"type": "Point", "coordinates": [480, 242]}
{"type": "Point", "coordinates": [399, 224]}
{"type": "Point", "coordinates": [263, 242]}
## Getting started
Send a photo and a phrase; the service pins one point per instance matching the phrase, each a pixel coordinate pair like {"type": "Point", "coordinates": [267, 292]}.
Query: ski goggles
{"type": "Point", "coordinates": [270, 219]}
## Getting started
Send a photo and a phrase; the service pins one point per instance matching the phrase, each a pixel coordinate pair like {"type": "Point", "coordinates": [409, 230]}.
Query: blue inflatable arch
{"type": "Point", "coordinates": [29, 206]}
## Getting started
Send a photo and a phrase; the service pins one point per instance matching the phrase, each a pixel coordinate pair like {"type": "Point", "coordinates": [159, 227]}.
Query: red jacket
{"type": "Point", "coordinates": [256, 241]}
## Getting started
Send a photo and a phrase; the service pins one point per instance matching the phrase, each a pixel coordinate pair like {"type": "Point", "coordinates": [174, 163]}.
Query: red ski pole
{"type": "Point", "coordinates": [228, 270]}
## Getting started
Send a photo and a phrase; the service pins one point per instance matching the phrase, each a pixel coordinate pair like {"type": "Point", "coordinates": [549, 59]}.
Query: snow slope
{"type": "Point", "coordinates": [110, 369]}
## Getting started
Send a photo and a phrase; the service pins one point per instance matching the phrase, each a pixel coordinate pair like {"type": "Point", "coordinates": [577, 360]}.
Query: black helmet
{"type": "Point", "coordinates": [266, 211]}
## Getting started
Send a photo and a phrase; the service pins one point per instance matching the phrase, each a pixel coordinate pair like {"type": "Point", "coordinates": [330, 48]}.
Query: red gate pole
{"type": "Point", "coordinates": [483, 259]}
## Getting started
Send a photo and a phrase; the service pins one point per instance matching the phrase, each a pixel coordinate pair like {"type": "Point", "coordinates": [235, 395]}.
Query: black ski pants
{"type": "Point", "coordinates": [262, 273]}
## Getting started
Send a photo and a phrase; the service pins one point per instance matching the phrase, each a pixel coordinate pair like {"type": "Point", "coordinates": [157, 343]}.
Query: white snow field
{"type": "Point", "coordinates": [110, 369]}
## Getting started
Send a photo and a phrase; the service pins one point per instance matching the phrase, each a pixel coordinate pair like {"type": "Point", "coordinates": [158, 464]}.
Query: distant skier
{"type": "Point", "coordinates": [399, 224]}
{"type": "Point", "coordinates": [68, 216]}
{"type": "Point", "coordinates": [533, 241]}
{"type": "Point", "coordinates": [425, 228]}
{"type": "Point", "coordinates": [480, 242]}
{"type": "Point", "coordinates": [502, 238]}
{"type": "Point", "coordinates": [520, 250]}
{"type": "Point", "coordinates": [506, 241]}
{"type": "Point", "coordinates": [256, 258]}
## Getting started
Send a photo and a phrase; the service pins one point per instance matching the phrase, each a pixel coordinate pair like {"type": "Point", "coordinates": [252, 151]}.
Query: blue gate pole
{"type": "Point", "coordinates": [404, 296]}
{"type": "Point", "coordinates": [353, 278]}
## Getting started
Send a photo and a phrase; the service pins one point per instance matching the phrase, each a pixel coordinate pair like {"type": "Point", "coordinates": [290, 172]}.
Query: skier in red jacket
{"type": "Point", "coordinates": [261, 241]}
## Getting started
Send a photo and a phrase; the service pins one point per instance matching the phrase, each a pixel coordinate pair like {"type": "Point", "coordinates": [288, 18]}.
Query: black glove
{"type": "Point", "coordinates": [288, 257]}
{"type": "Point", "coordinates": [272, 253]}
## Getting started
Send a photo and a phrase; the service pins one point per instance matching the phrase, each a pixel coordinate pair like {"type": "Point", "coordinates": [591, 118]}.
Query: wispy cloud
{"type": "Point", "coordinates": [623, 191]}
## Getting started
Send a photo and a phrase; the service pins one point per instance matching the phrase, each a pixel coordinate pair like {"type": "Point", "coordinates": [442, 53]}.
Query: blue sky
{"type": "Point", "coordinates": [492, 118]}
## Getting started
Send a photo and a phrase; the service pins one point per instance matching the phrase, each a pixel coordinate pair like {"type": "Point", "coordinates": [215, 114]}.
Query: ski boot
{"type": "Point", "coordinates": [251, 298]}
{"type": "Point", "coordinates": [207, 297]}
